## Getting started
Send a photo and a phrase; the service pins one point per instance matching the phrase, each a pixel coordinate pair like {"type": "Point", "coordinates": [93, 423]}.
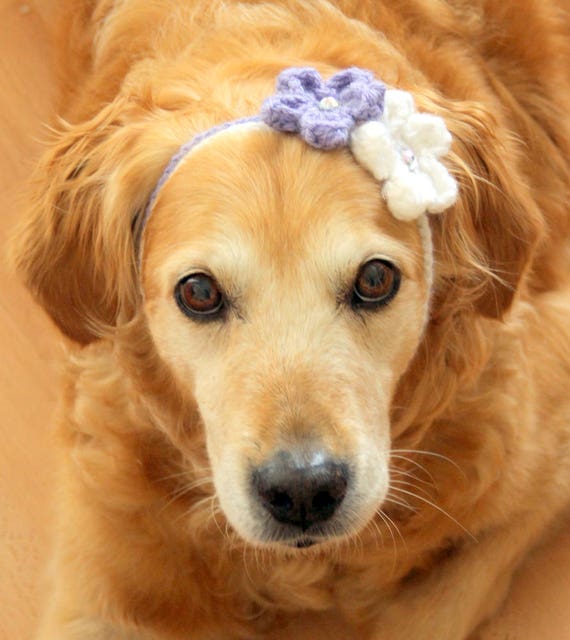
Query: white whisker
{"type": "Point", "coordinates": [406, 505]}
{"type": "Point", "coordinates": [432, 454]}
{"type": "Point", "coordinates": [415, 463]}
{"type": "Point", "coordinates": [410, 474]}
{"type": "Point", "coordinates": [407, 483]}
{"type": "Point", "coordinates": [438, 508]}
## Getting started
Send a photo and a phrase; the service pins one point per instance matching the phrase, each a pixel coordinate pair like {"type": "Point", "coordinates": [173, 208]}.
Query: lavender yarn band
{"type": "Point", "coordinates": [182, 152]}
{"type": "Point", "coordinates": [322, 113]}
{"type": "Point", "coordinates": [398, 146]}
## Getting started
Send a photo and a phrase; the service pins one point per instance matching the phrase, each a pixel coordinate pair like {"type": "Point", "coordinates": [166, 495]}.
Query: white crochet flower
{"type": "Point", "coordinates": [402, 150]}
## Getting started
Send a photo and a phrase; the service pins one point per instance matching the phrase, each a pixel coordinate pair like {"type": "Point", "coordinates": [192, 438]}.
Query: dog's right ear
{"type": "Point", "coordinates": [486, 243]}
{"type": "Point", "coordinates": [75, 247]}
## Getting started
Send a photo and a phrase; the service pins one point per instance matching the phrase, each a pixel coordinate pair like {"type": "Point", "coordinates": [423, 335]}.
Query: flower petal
{"type": "Point", "coordinates": [373, 148]}
{"type": "Point", "coordinates": [284, 112]}
{"type": "Point", "coordinates": [427, 133]}
{"type": "Point", "coordinates": [398, 107]}
{"type": "Point", "coordinates": [364, 101]}
{"type": "Point", "coordinates": [444, 185]}
{"type": "Point", "coordinates": [325, 129]}
{"type": "Point", "coordinates": [407, 194]}
{"type": "Point", "coordinates": [301, 81]}
{"type": "Point", "coordinates": [358, 92]}
{"type": "Point", "coordinates": [345, 78]}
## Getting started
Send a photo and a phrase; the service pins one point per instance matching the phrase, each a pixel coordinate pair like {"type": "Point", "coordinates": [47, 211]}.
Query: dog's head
{"type": "Point", "coordinates": [289, 303]}
{"type": "Point", "coordinates": [279, 291]}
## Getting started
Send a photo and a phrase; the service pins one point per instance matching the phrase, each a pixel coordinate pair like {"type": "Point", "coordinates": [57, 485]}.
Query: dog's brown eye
{"type": "Point", "coordinates": [199, 296]}
{"type": "Point", "coordinates": [377, 283]}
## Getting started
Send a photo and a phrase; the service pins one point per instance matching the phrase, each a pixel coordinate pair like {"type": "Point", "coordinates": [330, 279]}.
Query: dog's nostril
{"type": "Point", "coordinates": [301, 489]}
{"type": "Point", "coordinates": [323, 501]}
{"type": "Point", "coordinates": [280, 500]}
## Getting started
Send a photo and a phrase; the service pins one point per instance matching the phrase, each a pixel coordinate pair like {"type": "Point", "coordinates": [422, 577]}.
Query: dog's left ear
{"type": "Point", "coordinates": [75, 248]}
{"type": "Point", "coordinates": [485, 244]}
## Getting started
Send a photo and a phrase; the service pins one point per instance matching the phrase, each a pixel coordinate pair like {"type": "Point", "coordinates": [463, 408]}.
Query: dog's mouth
{"type": "Point", "coordinates": [305, 543]}
{"type": "Point", "coordinates": [301, 543]}
{"type": "Point", "coordinates": [316, 537]}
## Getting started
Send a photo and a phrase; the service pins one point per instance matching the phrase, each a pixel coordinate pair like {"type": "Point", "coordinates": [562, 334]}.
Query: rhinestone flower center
{"type": "Point", "coordinates": [328, 103]}
{"type": "Point", "coordinates": [409, 158]}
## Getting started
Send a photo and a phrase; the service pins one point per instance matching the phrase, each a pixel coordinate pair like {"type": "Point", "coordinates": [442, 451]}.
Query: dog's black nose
{"type": "Point", "coordinates": [301, 489]}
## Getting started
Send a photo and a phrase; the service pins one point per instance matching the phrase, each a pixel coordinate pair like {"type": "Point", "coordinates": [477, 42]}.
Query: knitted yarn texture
{"type": "Point", "coordinates": [323, 113]}
{"type": "Point", "coordinates": [398, 146]}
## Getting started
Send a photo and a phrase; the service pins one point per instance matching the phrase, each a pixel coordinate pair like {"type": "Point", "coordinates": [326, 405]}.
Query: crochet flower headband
{"type": "Point", "coordinates": [400, 147]}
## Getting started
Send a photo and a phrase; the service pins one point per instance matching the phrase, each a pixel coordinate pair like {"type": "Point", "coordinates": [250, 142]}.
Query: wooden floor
{"type": "Point", "coordinates": [539, 608]}
{"type": "Point", "coordinates": [28, 344]}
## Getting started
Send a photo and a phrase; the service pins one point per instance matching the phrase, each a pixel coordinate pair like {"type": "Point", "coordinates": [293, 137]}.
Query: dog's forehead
{"type": "Point", "coordinates": [272, 198]}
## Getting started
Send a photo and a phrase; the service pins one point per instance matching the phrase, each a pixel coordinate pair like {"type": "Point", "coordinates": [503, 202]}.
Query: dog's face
{"type": "Point", "coordinates": [288, 301]}
{"type": "Point", "coordinates": [282, 295]}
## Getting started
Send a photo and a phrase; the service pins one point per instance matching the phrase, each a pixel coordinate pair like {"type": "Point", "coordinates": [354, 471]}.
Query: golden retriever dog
{"type": "Point", "coordinates": [290, 409]}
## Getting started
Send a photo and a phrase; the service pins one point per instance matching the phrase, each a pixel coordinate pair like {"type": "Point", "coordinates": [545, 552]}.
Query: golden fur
{"type": "Point", "coordinates": [470, 419]}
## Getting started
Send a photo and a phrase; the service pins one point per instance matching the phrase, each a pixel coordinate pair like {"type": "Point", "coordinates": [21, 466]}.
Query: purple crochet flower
{"type": "Point", "coordinates": [323, 113]}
